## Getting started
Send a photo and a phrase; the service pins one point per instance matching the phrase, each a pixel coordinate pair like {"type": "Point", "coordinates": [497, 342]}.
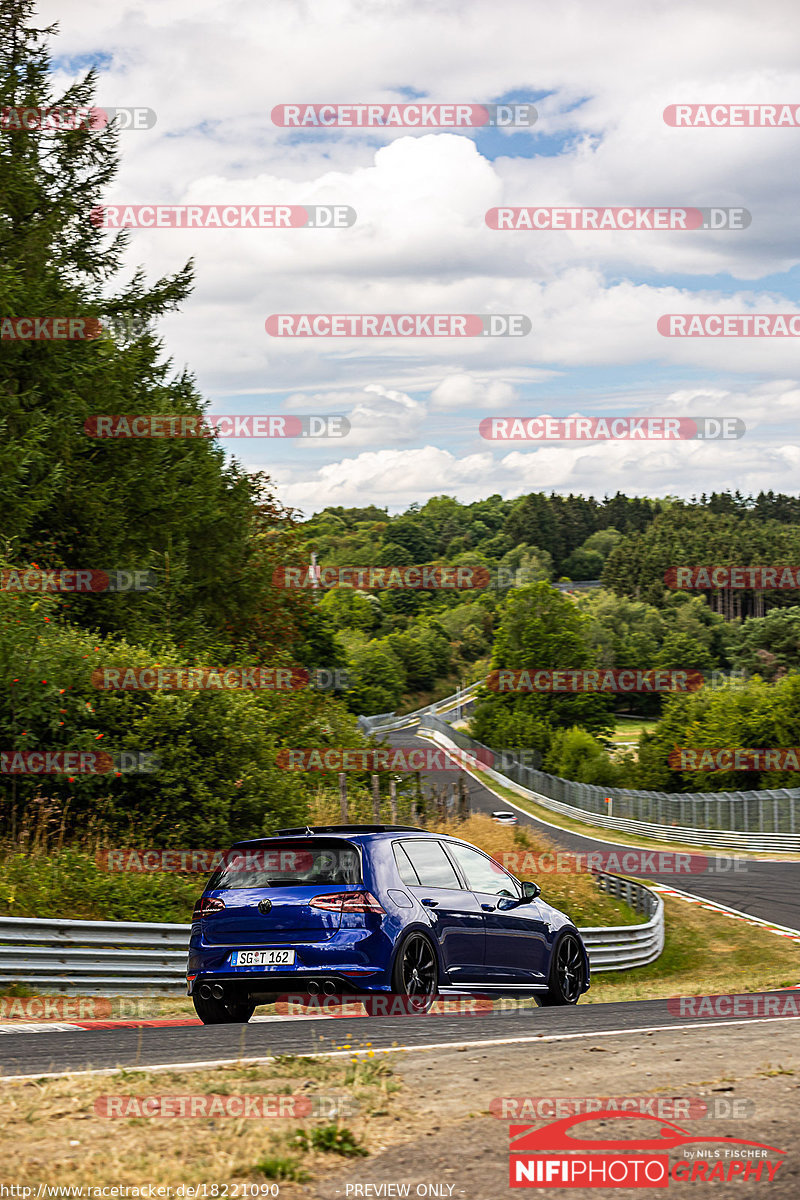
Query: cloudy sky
{"type": "Point", "coordinates": [600, 73]}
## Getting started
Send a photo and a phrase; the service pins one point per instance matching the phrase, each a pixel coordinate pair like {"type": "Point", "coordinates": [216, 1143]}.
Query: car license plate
{"type": "Point", "coordinates": [262, 958]}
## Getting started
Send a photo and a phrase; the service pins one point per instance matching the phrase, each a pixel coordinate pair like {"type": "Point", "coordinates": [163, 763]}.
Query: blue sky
{"type": "Point", "coordinates": [600, 77]}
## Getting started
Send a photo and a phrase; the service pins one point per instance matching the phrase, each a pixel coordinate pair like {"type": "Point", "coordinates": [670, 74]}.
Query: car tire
{"type": "Point", "coordinates": [567, 973]}
{"type": "Point", "coordinates": [217, 1012]}
{"type": "Point", "coordinates": [416, 972]}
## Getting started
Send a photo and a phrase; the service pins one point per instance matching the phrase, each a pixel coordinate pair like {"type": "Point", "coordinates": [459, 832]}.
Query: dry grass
{"type": "Point", "coordinates": [52, 1134]}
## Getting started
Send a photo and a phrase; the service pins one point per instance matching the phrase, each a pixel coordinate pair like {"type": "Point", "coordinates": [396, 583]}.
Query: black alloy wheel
{"type": "Point", "coordinates": [566, 973]}
{"type": "Point", "coordinates": [416, 972]}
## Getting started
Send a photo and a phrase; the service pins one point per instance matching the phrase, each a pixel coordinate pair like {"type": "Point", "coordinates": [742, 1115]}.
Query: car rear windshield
{"type": "Point", "coordinates": [288, 864]}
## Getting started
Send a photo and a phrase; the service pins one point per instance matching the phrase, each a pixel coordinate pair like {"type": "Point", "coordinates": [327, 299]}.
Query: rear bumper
{"type": "Point", "coordinates": [355, 960]}
{"type": "Point", "coordinates": [267, 986]}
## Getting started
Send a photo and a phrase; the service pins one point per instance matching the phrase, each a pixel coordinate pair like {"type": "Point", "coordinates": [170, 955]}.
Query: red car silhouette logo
{"type": "Point", "coordinates": [556, 1136]}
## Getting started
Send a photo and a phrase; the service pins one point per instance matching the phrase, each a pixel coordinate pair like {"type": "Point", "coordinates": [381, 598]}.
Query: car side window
{"type": "Point", "coordinates": [404, 867]}
{"type": "Point", "coordinates": [432, 866]}
{"type": "Point", "coordinates": [482, 873]}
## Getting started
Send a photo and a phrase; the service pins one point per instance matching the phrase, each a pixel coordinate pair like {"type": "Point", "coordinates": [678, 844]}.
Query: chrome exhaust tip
{"type": "Point", "coordinates": [312, 988]}
{"type": "Point", "coordinates": [329, 987]}
{"type": "Point", "coordinates": [217, 991]}
{"type": "Point", "coordinates": [205, 992]}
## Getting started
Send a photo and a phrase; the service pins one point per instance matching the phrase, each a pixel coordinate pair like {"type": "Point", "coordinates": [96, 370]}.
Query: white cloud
{"type": "Point", "coordinates": [466, 391]}
{"type": "Point", "coordinates": [214, 69]}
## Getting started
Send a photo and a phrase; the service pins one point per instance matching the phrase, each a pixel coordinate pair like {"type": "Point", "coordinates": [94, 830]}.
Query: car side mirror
{"type": "Point", "coordinates": [530, 890]}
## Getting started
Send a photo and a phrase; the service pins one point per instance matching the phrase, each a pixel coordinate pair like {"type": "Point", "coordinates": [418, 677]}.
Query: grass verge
{"type": "Point", "coordinates": [53, 1133]}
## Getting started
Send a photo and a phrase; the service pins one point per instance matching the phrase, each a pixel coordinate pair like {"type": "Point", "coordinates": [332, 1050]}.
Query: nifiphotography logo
{"type": "Point", "coordinates": [552, 1156]}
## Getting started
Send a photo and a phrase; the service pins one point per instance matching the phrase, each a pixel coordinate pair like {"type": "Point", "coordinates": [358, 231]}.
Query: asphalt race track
{"type": "Point", "coordinates": [43, 1053]}
{"type": "Point", "coordinates": [767, 889]}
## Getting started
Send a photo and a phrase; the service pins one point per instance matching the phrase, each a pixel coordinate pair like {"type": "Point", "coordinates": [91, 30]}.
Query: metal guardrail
{"type": "Point", "coordinates": [94, 957]}
{"type": "Point", "coordinates": [578, 585]}
{"type": "Point", "coordinates": [384, 722]}
{"type": "Point", "coordinates": [109, 958]}
{"type": "Point", "coordinates": [620, 947]}
{"type": "Point", "coordinates": [767, 820]}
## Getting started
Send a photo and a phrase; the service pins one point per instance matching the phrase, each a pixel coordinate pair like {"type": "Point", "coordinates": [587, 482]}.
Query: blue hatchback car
{"type": "Point", "coordinates": [373, 909]}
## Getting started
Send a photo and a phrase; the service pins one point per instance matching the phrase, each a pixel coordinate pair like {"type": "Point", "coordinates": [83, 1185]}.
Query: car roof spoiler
{"type": "Point", "coordinates": [343, 830]}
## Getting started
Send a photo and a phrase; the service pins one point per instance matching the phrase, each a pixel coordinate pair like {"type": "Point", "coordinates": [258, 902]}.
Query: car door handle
{"type": "Point", "coordinates": [488, 907]}
{"type": "Point", "coordinates": [430, 903]}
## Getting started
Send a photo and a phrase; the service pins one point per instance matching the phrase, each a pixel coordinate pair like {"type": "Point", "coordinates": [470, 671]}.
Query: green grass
{"type": "Point", "coordinates": [628, 729]}
{"type": "Point", "coordinates": [71, 884]}
{"type": "Point", "coordinates": [705, 953]}
{"type": "Point", "coordinates": [330, 1139]}
{"type": "Point", "coordinates": [281, 1167]}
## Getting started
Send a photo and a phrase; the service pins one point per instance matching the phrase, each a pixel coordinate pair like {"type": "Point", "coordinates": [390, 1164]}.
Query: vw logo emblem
{"type": "Point", "coordinates": [264, 906]}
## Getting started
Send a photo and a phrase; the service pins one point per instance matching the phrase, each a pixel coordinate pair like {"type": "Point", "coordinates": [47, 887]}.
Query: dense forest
{"type": "Point", "coordinates": [403, 646]}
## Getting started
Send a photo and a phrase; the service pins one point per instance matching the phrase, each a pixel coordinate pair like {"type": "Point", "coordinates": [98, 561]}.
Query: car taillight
{"type": "Point", "coordinates": [207, 905]}
{"type": "Point", "coordinates": [347, 902]}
